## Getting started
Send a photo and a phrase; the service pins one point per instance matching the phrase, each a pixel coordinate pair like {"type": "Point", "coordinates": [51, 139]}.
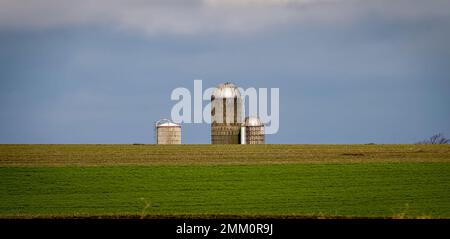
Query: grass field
{"type": "Point", "coordinates": [225, 181]}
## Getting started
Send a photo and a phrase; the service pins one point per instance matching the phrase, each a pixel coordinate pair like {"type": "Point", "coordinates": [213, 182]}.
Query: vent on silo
{"type": "Point", "coordinates": [254, 131]}
{"type": "Point", "coordinates": [167, 132]}
{"type": "Point", "coordinates": [226, 114]}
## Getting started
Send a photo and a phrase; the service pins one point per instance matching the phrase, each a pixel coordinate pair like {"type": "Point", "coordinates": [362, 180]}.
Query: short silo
{"type": "Point", "coordinates": [226, 114]}
{"type": "Point", "coordinates": [167, 132]}
{"type": "Point", "coordinates": [254, 131]}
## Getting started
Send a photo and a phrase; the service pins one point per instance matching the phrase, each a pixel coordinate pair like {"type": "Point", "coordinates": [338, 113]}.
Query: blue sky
{"type": "Point", "coordinates": [349, 71]}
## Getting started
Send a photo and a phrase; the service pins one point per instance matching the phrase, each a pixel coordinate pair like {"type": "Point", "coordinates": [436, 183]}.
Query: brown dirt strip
{"type": "Point", "coordinates": [147, 155]}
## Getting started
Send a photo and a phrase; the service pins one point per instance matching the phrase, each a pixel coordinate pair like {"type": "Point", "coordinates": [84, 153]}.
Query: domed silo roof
{"type": "Point", "coordinates": [253, 121]}
{"type": "Point", "coordinates": [166, 123]}
{"type": "Point", "coordinates": [226, 90]}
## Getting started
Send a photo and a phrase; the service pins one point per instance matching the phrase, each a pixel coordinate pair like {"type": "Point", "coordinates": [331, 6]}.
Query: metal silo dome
{"type": "Point", "coordinates": [166, 123]}
{"type": "Point", "coordinates": [253, 121]}
{"type": "Point", "coordinates": [226, 90]}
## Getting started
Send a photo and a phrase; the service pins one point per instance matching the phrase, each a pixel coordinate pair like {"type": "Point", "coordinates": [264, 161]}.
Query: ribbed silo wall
{"type": "Point", "coordinates": [168, 135]}
{"type": "Point", "coordinates": [226, 120]}
{"type": "Point", "coordinates": [254, 134]}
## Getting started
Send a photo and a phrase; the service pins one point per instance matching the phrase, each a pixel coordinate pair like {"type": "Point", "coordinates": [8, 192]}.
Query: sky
{"type": "Point", "coordinates": [348, 71]}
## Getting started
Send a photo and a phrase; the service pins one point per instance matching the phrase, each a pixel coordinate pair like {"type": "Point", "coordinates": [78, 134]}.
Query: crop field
{"type": "Point", "coordinates": [207, 181]}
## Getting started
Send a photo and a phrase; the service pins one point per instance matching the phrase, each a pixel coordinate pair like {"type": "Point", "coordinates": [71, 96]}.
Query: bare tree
{"type": "Point", "coordinates": [435, 139]}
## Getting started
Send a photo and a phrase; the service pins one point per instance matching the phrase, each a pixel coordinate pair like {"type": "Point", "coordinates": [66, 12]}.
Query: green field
{"type": "Point", "coordinates": [225, 181]}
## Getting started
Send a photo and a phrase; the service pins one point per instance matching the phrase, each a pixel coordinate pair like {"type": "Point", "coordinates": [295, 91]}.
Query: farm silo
{"type": "Point", "coordinates": [167, 132]}
{"type": "Point", "coordinates": [254, 131]}
{"type": "Point", "coordinates": [226, 114]}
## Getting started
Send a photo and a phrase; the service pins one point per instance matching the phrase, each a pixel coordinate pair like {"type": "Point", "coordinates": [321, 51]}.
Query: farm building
{"type": "Point", "coordinates": [226, 114]}
{"type": "Point", "coordinates": [254, 131]}
{"type": "Point", "coordinates": [167, 132]}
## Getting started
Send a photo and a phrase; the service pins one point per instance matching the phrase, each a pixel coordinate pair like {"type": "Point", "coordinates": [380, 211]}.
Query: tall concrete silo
{"type": "Point", "coordinates": [226, 114]}
{"type": "Point", "coordinates": [254, 131]}
{"type": "Point", "coordinates": [167, 132]}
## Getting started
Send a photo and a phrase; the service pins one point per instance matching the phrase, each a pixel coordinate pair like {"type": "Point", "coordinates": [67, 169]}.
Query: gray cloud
{"type": "Point", "coordinates": [354, 71]}
{"type": "Point", "coordinates": [208, 16]}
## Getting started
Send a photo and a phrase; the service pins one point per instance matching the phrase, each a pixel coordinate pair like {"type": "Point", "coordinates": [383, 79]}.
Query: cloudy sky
{"type": "Point", "coordinates": [349, 71]}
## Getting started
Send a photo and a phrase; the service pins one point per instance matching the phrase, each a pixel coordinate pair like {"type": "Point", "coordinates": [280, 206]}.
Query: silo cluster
{"type": "Point", "coordinates": [167, 132]}
{"type": "Point", "coordinates": [227, 123]}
